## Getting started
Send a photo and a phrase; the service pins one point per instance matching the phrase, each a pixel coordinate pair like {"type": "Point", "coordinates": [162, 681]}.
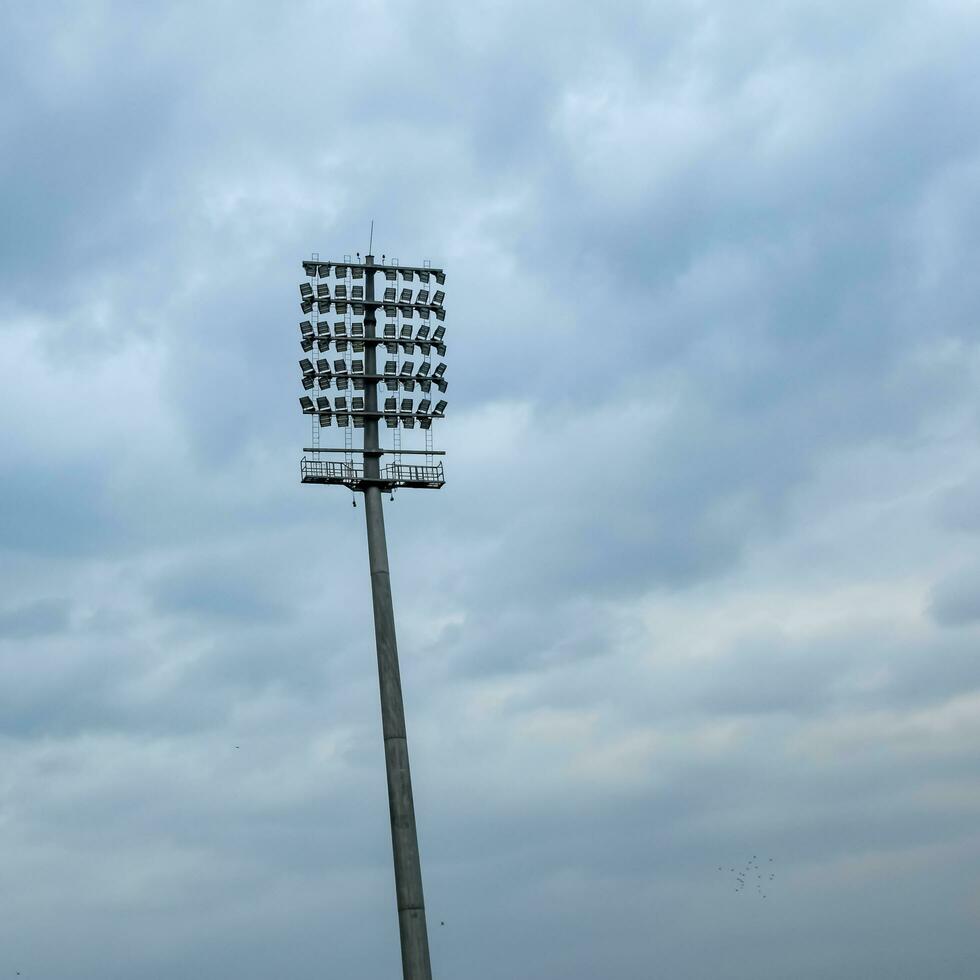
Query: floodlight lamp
{"type": "Point", "coordinates": [424, 369]}
{"type": "Point", "coordinates": [425, 349]}
{"type": "Point", "coordinates": [357, 292]}
{"type": "Point", "coordinates": [439, 296]}
{"type": "Point", "coordinates": [324, 419]}
{"type": "Point", "coordinates": [438, 333]}
{"type": "Point", "coordinates": [389, 330]}
{"type": "Point", "coordinates": [307, 365]}
{"type": "Point", "coordinates": [390, 294]}
{"type": "Point", "coordinates": [308, 381]}
{"type": "Point", "coordinates": [306, 328]}
{"type": "Point", "coordinates": [424, 312]}
{"type": "Point", "coordinates": [424, 406]}
{"type": "Point", "coordinates": [340, 271]}
{"type": "Point", "coordinates": [425, 422]}
{"type": "Point", "coordinates": [357, 367]}
{"type": "Point", "coordinates": [423, 296]}
{"type": "Point", "coordinates": [322, 366]}
{"type": "Point", "coordinates": [310, 268]}
{"type": "Point", "coordinates": [305, 291]}
{"type": "Point", "coordinates": [440, 384]}
{"type": "Point", "coordinates": [441, 350]}
{"type": "Point", "coordinates": [306, 306]}
{"type": "Point", "coordinates": [357, 404]}
{"type": "Point", "coordinates": [340, 403]}
{"type": "Point", "coordinates": [390, 275]}
{"type": "Point", "coordinates": [340, 328]}
{"type": "Point", "coordinates": [357, 272]}
{"type": "Point", "coordinates": [323, 345]}
{"type": "Point", "coordinates": [391, 367]}
{"type": "Point", "coordinates": [406, 295]}
{"type": "Point", "coordinates": [440, 278]}
{"type": "Point", "coordinates": [340, 291]}
{"type": "Point", "coordinates": [324, 269]}
{"type": "Point", "coordinates": [440, 408]}
{"type": "Point", "coordinates": [306, 344]}
{"type": "Point", "coordinates": [406, 404]}
{"type": "Point", "coordinates": [322, 403]}
{"type": "Point", "coordinates": [406, 274]}
{"type": "Point", "coordinates": [391, 404]}
{"type": "Point", "coordinates": [358, 383]}
{"type": "Point", "coordinates": [407, 368]}
{"type": "Point", "coordinates": [407, 311]}
{"type": "Point", "coordinates": [323, 330]}
{"type": "Point", "coordinates": [409, 421]}
{"type": "Point", "coordinates": [357, 328]}
{"type": "Point", "coordinates": [439, 371]}
{"type": "Point", "coordinates": [423, 332]}
{"type": "Point", "coordinates": [424, 276]}
{"type": "Point", "coordinates": [425, 384]}
{"type": "Point", "coordinates": [391, 421]}
{"type": "Point", "coordinates": [391, 310]}
{"type": "Point", "coordinates": [408, 384]}
{"type": "Point", "coordinates": [340, 366]}
{"type": "Point", "coordinates": [440, 313]}
{"type": "Point", "coordinates": [322, 291]}
{"type": "Point", "coordinates": [340, 307]}
{"type": "Point", "coordinates": [306, 403]}
{"type": "Point", "coordinates": [323, 305]}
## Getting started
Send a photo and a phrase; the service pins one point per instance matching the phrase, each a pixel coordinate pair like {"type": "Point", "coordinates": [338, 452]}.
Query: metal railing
{"type": "Point", "coordinates": [330, 470]}
{"type": "Point", "coordinates": [395, 474]}
{"type": "Point", "coordinates": [405, 473]}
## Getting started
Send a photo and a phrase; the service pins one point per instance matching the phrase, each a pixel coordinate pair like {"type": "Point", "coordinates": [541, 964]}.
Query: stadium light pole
{"type": "Point", "coordinates": [371, 480]}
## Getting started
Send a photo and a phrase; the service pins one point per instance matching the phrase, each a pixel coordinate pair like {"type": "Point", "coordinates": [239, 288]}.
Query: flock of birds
{"type": "Point", "coordinates": [763, 872]}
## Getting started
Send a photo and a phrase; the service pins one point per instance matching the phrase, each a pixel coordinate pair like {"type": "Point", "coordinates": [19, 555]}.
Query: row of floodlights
{"type": "Point", "coordinates": [391, 406]}
{"type": "Point", "coordinates": [322, 376]}
{"type": "Point", "coordinates": [391, 338]}
{"type": "Point", "coordinates": [341, 381]}
{"type": "Point", "coordinates": [357, 367]}
{"type": "Point", "coordinates": [407, 416]}
{"type": "Point", "coordinates": [391, 295]}
{"type": "Point", "coordinates": [322, 270]}
{"type": "Point", "coordinates": [407, 308]}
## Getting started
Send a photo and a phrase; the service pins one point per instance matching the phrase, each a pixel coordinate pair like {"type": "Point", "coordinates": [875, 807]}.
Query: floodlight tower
{"type": "Point", "coordinates": [351, 336]}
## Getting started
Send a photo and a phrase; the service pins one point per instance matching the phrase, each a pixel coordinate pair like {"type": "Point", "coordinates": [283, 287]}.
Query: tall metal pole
{"type": "Point", "coordinates": [404, 837]}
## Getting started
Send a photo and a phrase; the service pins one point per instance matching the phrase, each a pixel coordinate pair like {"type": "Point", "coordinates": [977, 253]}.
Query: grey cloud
{"type": "Point", "coordinates": [956, 600]}
{"type": "Point", "coordinates": [707, 273]}
{"type": "Point", "coordinates": [38, 618]}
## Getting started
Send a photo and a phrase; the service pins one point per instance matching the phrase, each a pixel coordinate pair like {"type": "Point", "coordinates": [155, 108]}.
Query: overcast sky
{"type": "Point", "coordinates": [703, 582]}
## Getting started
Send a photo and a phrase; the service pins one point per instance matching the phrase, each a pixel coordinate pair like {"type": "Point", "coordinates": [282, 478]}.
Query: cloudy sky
{"type": "Point", "coordinates": [703, 583]}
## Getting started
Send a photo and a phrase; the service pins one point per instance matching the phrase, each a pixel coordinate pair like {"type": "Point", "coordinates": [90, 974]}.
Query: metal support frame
{"type": "Point", "coordinates": [371, 479]}
{"type": "Point", "coordinates": [401, 806]}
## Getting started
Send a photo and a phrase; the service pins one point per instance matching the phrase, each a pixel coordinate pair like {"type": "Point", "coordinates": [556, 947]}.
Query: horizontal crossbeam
{"type": "Point", "coordinates": [379, 452]}
{"type": "Point", "coordinates": [374, 267]}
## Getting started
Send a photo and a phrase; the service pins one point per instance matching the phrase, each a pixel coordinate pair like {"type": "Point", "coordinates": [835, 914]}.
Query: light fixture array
{"type": "Point", "coordinates": [331, 326]}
